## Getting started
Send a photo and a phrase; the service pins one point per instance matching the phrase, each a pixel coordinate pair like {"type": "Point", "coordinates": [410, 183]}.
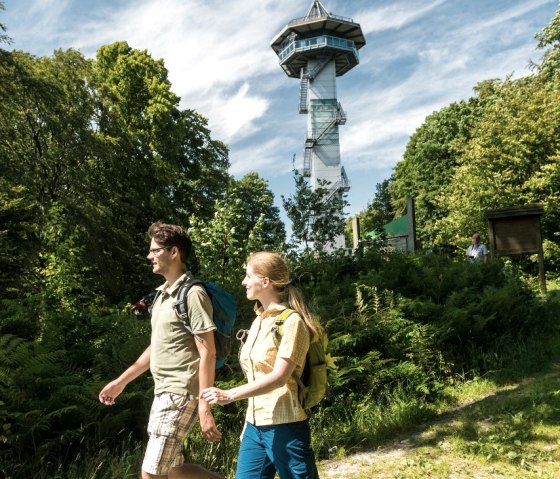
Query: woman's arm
{"type": "Point", "coordinates": [278, 377]}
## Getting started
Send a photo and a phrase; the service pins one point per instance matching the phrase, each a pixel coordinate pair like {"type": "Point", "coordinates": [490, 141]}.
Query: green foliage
{"type": "Point", "coordinates": [3, 37]}
{"type": "Point", "coordinates": [498, 149]}
{"type": "Point", "coordinates": [93, 151]}
{"type": "Point", "coordinates": [429, 161]}
{"type": "Point", "coordinates": [511, 160]}
{"type": "Point", "coordinates": [50, 413]}
{"type": "Point", "coordinates": [549, 39]}
{"type": "Point", "coordinates": [18, 238]}
{"type": "Point", "coordinates": [403, 328]}
{"type": "Point", "coordinates": [245, 220]}
{"type": "Point", "coordinates": [316, 215]}
{"type": "Point", "coordinates": [377, 213]}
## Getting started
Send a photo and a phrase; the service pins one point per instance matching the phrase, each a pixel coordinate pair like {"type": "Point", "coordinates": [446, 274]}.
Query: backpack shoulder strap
{"type": "Point", "coordinates": [180, 305]}
{"type": "Point", "coordinates": [279, 324]}
{"type": "Point", "coordinates": [157, 294]}
{"type": "Point", "coordinates": [277, 335]}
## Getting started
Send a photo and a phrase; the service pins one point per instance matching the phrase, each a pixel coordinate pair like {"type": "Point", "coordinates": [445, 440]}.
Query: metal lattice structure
{"type": "Point", "coordinates": [316, 49]}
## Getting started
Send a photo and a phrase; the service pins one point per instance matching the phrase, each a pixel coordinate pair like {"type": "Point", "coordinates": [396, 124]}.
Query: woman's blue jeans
{"type": "Point", "coordinates": [283, 448]}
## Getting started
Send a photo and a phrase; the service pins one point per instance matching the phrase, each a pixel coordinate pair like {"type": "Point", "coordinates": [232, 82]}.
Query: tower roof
{"type": "Point", "coordinates": [319, 21]}
{"type": "Point", "coordinates": [316, 10]}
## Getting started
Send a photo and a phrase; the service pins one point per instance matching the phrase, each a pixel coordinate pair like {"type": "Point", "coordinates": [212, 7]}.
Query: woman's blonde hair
{"type": "Point", "coordinates": [274, 267]}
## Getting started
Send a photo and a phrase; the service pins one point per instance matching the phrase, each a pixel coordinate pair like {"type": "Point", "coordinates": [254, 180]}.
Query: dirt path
{"type": "Point", "coordinates": [440, 449]}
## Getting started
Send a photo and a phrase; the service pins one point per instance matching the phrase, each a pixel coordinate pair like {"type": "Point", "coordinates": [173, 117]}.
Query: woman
{"type": "Point", "coordinates": [276, 436]}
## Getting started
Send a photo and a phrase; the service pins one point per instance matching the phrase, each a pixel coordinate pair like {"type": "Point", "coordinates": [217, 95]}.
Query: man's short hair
{"type": "Point", "coordinates": [171, 235]}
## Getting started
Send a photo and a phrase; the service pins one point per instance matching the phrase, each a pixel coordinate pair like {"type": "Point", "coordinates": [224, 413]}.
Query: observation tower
{"type": "Point", "coordinates": [316, 49]}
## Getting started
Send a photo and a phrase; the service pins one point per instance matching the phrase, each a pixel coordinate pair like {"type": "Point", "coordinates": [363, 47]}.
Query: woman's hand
{"type": "Point", "coordinates": [217, 396]}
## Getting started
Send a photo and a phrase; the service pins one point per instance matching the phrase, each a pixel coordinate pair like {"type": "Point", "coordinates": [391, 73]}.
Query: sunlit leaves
{"type": "Point", "coordinates": [511, 160]}
{"type": "Point", "coordinates": [316, 215]}
{"type": "Point", "coordinates": [245, 221]}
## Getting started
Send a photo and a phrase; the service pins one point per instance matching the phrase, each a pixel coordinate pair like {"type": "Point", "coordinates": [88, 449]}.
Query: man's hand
{"type": "Point", "coordinates": [208, 425]}
{"type": "Point", "coordinates": [110, 392]}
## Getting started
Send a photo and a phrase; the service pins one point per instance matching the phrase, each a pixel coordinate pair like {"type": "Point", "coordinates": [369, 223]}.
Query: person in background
{"type": "Point", "coordinates": [477, 251]}
{"type": "Point", "coordinates": [181, 363]}
{"type": "Point", "coordinates": [276, 437]}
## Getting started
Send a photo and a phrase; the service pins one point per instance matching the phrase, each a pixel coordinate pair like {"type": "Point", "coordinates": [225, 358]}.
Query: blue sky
{"type": "Point", "coordinates": [420, 56]}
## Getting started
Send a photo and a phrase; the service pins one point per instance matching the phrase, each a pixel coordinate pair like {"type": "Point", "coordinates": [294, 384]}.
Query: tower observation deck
{"type": "Point", "coordinates": [316, 49]}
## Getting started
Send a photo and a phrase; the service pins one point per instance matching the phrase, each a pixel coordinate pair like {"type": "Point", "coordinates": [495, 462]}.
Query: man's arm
{"type": "Point", "coordinates": [110, 392]}
{"type": "Point", "coordinates": [207, 368]}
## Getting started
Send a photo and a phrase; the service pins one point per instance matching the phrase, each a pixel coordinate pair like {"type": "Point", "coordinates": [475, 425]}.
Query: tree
{"type": "Point", "coordinates": [245, 221]}
{"type": "Point", "coordinates": [255, 202]}
{"type": "Point", "coordinates": [99, 149]}
{"type": "Point", "coordinates": [46, 143]}
{"type": "Point", "coordinates": [512, 159]}
{"type": "Point", "coordinates": [19, 238]}
{"type": "Point", "coordinates": [3, 37]}
{"type": "Point", "coordinates": [316, 215]}
{"type": "Point", "coordinates": [378, 212]}
{"type": "Point", "coordinates": [549, 40]}
{"type": "Point", "coordinates": [160, 162]}
{"type": "Point", "coordinates": [429, 162]}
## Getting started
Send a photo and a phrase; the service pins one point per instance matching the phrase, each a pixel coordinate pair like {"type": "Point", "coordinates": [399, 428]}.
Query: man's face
{"type": "Point", "coordinates": [475, 239]}
{"type": "Point", "coordinates": [160, 257]}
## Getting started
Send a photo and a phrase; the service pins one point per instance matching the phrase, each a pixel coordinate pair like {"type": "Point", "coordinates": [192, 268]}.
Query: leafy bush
{"type": "Point", "coordinates": [401, 326]}
{"type": "Point", "coordinates": [50, 412]}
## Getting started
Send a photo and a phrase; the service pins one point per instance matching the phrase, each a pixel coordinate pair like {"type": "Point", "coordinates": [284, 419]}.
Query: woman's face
{"type": "Point", "coordinates": [254, 284]}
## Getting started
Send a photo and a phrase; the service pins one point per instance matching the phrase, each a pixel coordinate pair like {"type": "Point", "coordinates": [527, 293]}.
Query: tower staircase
{"type": "Point", "coordinates": [339, 119]}
{"type": "Point", "coordinates": [342, 185]}
{"type": "Point", "coordinates": [305, 77]}
{"type": "Point", "coordinates": [303, 93]}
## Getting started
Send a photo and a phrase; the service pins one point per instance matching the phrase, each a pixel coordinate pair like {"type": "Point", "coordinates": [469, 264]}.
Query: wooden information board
{"type": "Point", "coordinates": [517, 230]}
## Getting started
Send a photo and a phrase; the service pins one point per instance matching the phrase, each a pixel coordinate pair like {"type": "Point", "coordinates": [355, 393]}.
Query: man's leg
{"type": "Point", "coordinates": [171, 418]}
{"type": "Point", "coordinates": [186, 471]}
{"type": "Point", "coordinates": [147, 475]}
{"type": "Point", "coordinates": [192, 471]}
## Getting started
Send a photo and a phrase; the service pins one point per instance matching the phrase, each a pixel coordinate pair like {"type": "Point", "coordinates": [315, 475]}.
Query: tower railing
{"type": "Point", "coordinates": [334, 188]}
{"type": "Point", "coordinates": [315, 43]}
{"type": "Point", "coordinates": [340, 115]}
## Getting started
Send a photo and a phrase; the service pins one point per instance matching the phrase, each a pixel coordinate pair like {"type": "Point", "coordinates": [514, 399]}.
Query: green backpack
{"type": "Point", "coordinates": [312, 386]}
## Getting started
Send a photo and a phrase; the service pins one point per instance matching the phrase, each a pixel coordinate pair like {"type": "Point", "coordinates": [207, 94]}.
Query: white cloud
{"type": "Point", "coordinates": [235, 116]}
{"type": "Point", "coordinates": [40, 20]}
{"type": "Point", "coordinates": [419, 57]}
{"type": "Point", "coordinates": [443, 67]}
{"type": "Point", "coordinates": [261, 158]}
{"type": "Point", "coordinates": [216, 52]}
{"type": "Point", "coordinates": [393, 16]}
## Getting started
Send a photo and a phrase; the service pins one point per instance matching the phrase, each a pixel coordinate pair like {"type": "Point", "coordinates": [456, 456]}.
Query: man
{"type": "Point", "coordinates": [181, 363]}
{"type": "Point", "coordinates": [477, 252]}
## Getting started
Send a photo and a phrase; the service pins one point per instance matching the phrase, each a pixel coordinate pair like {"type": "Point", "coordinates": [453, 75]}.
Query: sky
{"type": "Point", "coordinates": [420, 56]}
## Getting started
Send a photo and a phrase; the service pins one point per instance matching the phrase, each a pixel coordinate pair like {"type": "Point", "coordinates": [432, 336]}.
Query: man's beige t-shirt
{"type": "Point", "coordinates": [174, 358]}
{"type": "Point", "coordinates": [257, 358]}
